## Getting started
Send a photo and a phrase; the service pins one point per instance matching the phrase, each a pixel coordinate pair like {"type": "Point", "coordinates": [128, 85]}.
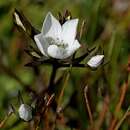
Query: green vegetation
{"type": "Point", "coordinates": [106, 29]}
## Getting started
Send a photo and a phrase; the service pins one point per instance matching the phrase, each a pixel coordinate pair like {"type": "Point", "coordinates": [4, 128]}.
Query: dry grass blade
{"type": "Point", "coordinates": [87, 105]}
{"type": "Point", "coordinates": [122, 119]}
{"type": "Point", "coordinates": [50, 100]}
{"type": "Point", "coordinates": [118, 106]}
{"type": "Point", "coordinates": [48, 103]}
{"type": "Point", "coordinates": [82, 29]}
{"type": "Point", "coordinates": [2, 123]}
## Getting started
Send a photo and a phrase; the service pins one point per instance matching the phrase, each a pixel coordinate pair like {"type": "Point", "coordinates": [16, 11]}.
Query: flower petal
{"type": "Point", "coordinates": [69, 29]}
{"type": "Point", "coordinates": [51, 27]}
{"type": "Point", "coordinates": [95, 61]}
{"type": "Point", "coordinates": [42, 43]}
{"type": "Point", "coordinates": [73, 47]}
{"type": "Point", "coordinates": [57, 52]}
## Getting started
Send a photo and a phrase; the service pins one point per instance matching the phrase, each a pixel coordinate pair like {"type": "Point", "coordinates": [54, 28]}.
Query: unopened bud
{"type": "Point", "coordinates": [95, 61]}
{"type": "Point", "coordinates": [25, 112]}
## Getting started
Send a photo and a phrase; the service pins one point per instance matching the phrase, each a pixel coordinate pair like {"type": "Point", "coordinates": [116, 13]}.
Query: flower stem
{"type": "Point", "coordinates": [52, 78]}
{"type": "Point", "coordinates": [67, 75]}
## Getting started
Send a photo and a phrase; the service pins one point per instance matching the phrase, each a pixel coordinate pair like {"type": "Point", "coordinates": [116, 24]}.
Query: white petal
{"type": "Point", "coordinates": [42, 43]}
{"type": "Point", "coordinates": [73, 47]}
{"type": "Point", "coordinates": [69, 29]}
{"type": "Point", "coordinates": [51, 27]}
{"type": "Point", "coordinates": [95, 61]}
{"type": "Point", "coordinates": [57, 52]}
{"type": "Point", "coordinates": [25, 112]}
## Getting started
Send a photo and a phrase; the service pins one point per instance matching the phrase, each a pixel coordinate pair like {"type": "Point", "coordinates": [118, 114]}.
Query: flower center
{"type": "Point", "coordinates": [58, 42]}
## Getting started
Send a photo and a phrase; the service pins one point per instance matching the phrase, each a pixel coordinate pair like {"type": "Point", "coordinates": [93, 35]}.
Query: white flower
{"type": "Point", "coordinates": [56, 40]}
{"type": "Point", "coordinates": [95, 61]}
{"type": "Point", "coordinates": [25, 112]}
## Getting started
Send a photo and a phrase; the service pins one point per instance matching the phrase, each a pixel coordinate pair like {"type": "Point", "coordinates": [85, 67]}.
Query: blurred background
{"type": "Point", "coordinates": [107, 25]}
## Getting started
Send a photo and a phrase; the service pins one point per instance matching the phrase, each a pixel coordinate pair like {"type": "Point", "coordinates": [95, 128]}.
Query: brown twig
{"type": "Point", "coordinates": [102, 113]}
{"type": "Point", "coordinates": [118, 106]}
{"type": "Point", "coordinates": [122, 119]}
{"type": "Point", "coordinates": [48, 103]}
{"type": "Point", "coordinates": [87, 105]}
{"type": "Point", "coordinates": [44, 110]}
{"type": "Point", "coordinates": [2, 123]}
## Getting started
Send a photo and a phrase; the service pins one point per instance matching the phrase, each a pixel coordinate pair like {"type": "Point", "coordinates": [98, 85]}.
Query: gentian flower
{"type": "Point", "coordinates": [56, 40]}
{"type": "Point", "coordinates": [95, 61]}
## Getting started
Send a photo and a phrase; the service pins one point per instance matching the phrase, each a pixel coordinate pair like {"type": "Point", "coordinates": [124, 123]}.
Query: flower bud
{"type": "Point", "coordinates": [95, 61]}
{"type": "Point", "coordinates": [25, 112]}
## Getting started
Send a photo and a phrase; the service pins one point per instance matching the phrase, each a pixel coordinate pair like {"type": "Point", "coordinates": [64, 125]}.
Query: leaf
{"type": "Point", "coordinates": [23, 23]}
